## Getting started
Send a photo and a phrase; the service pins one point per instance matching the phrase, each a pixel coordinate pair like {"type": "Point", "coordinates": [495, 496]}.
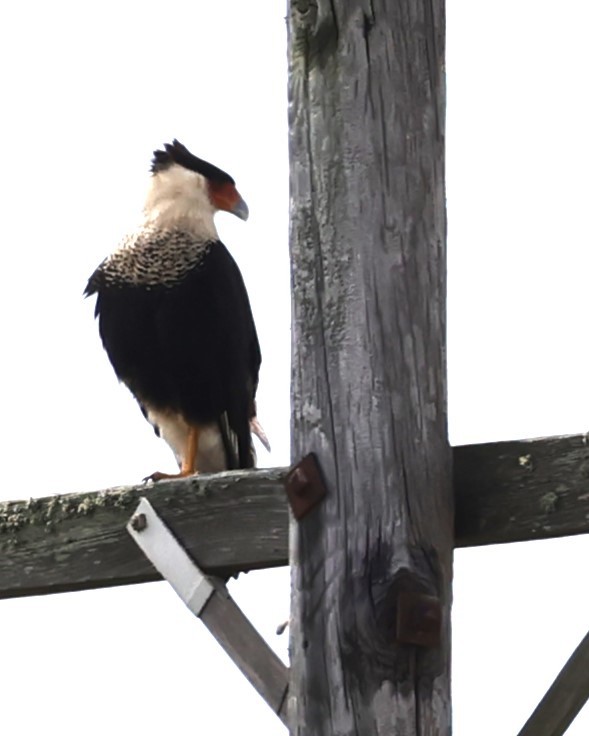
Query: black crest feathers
{"type": "Point", "coordinates": [176, 153]}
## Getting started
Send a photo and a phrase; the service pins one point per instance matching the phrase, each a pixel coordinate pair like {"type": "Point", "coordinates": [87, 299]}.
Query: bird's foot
{"type": "Point", "coordinates": [158, 475]}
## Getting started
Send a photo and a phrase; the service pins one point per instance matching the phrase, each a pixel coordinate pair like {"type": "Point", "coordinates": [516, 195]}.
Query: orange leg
{"type": "Point", "coordinates": [188, 461]}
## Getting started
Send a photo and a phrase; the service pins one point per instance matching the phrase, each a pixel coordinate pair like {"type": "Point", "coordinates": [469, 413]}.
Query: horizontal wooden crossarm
{"type": "Point", "coordinates": [238, 521]}
{"type": "Point", "coordinates": [228, 522]}
{"type": "Point", "coordinates": [521, 490]}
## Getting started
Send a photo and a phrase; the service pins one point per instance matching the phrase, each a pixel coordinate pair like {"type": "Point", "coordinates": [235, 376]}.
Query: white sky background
{"type": "Point", "coordinates": [88, 91]}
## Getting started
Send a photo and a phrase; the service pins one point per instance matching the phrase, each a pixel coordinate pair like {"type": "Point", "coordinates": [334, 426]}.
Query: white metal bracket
{"type": "Point", "coordinates": [208, 598]}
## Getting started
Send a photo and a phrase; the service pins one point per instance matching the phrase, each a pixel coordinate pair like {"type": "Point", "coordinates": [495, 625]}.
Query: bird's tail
{"type": "Point", "coordinates": [257, 429]}
{"type": "Point", "coordinates": [239, 448]}
{"type": "Point", "coordinates": [229, 439]}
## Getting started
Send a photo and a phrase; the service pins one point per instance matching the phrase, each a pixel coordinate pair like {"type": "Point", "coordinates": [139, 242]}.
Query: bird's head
{"type": "Point", "coordinates": [185, 186]}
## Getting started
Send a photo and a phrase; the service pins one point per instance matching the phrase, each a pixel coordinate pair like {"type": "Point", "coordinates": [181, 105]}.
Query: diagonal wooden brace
{"type": "Point", "coordinates": [565, 697]}
{"type": "Point", "coordinates": [208, 598]}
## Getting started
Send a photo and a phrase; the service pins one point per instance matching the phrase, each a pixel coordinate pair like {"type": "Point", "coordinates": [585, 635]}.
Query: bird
{"type": "Point", "coordinates": [175, 318]}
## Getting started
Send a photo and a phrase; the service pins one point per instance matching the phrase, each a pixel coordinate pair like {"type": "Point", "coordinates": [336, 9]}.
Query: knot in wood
{"type": "Point", "coordinates": [305, 7]}
{"type": "Point", "coordinates": [304, 16]}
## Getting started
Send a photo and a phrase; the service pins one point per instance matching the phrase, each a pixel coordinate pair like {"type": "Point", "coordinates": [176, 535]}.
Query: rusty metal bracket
{"type": "Point", "coordinates": [419, 619]}
{"type": "Point", "coordinates": [305, 486]}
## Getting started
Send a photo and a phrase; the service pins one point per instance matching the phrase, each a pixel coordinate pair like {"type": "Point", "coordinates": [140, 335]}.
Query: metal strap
{"type": "Point", "coordinates": [169, 558]}
{"type": "Point", "coordinates": [209, 599]}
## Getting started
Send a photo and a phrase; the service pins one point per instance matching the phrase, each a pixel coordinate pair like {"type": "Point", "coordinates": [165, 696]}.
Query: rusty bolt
{"type": "Point", "coordinates": [139, 522]}
{"type": "Point", "coordinates": [304, 486]}
{"type": "Point", "coordinates": [419, 619]}
{"type": "Point", "coordinates": [298, 481]}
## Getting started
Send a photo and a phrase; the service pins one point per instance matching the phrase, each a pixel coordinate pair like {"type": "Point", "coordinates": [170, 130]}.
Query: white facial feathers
{"type": "Point", "coordinates": [178, 198]}
{"type": "Point", "coordinates": [176, 232]}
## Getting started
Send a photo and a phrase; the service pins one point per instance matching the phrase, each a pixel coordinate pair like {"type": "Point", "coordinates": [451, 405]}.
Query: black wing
{"type": "Point", "coordinates": [191, 347]}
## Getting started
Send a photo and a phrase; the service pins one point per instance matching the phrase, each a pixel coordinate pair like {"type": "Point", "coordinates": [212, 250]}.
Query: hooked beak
{"type": "Point", "coordinates": [226, 197]}
{"type": "Point", "coordinates": [240, 209]}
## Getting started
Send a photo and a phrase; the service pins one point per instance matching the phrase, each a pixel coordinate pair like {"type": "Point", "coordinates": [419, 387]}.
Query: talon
{"type": "Point", "coordinates": [154, 477]}
{"type": "Point", "coordinates": [188, 461]}
{"type": "Point", "coordinates": [158, 475]}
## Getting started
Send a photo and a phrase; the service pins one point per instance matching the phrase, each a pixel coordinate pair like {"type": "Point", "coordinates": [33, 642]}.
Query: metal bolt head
{"type": "Point", "coordinates": [419, 619]}
{"type": "Point", "coordinates": [299, 482]}
{"type": "Point", "coordinates": [139, 522]}
{"type": "Point", "coordinates": [304, 486]}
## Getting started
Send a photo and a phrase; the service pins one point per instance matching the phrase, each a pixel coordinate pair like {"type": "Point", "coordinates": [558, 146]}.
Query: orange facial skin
{"type": "Point", "coordinates": [226, 197]}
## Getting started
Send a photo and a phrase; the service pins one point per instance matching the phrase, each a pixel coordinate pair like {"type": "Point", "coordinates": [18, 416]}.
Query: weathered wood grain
{"type": "Point", "coordinates": [242, 642]}
{"type": "Point", "coordinates": [366, 114]}
{"type": "Point", "coordinates": [521, 490]}
{"type": "Point", "coordinates": [505, 492]}
{"type": "Point", "coordinates": [228, 523]}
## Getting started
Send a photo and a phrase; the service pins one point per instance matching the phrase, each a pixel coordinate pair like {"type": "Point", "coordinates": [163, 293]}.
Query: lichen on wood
{"type": "Point", "coordinates": [47, 512]}
{"type": "Point", "coordinates": [238, 521]}
{"type": "Point", "coordinates": [229, 522]}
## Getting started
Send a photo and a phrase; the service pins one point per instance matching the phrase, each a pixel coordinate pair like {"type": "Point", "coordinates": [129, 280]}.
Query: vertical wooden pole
{"type": "Point", "coordinates": [366, 106]}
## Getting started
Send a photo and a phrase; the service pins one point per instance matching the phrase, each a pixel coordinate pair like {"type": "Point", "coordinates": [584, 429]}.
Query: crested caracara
{"type": "Point", "coordinates": [175, 318]}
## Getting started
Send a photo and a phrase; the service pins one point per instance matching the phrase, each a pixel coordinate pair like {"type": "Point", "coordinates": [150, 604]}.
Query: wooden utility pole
{"type": "Point", "coordinates": [372, 566]}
